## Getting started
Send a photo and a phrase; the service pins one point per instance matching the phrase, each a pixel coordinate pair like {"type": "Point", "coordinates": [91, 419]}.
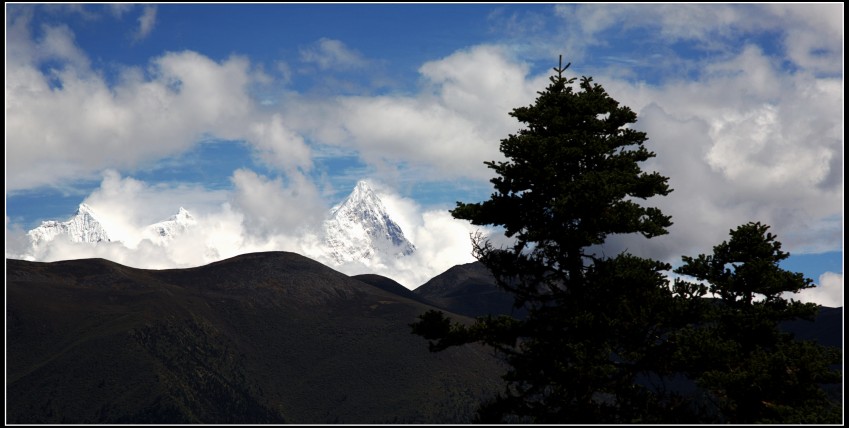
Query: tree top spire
{"type": "Point", "coordinates": [560, 68]}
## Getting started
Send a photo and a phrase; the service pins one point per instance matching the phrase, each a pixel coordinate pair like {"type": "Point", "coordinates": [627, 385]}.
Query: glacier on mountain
{"type": "Point", "coordinates": [82, 227]}
{"type": "Point", "coordinates": [165, 231]}
{"type": "Point", "coordinates": [85, 227]}
{"type": "Point", "coordinates": [360, 230]}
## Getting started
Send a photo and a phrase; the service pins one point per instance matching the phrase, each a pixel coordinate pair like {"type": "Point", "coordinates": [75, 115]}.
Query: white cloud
{"type": "Point", "coordinates": [58, 43]}
{"type": "Point", "coordinates": [114, 130]}
{"type": "Point", "coordinates": [271, 207]}
{"type": "Point", "coordinates": [827, 18]}
{"type": "Point", "coordinates": [588, 26]}
{"type": "Point", "coordinates": [125, 205]}
{"type": "Point", "coordinates": [814, 37]}
{"type": "Point", "coordinates": [747, 142]}
{"type": "Point", "coordinates": [147, 115]}
{"type": "Point", "coordinates": [812, 34]}
{"type": "Point", "coordinates": [279, 146]}
{"type": "Point", "coordinates": [147, 20]}
{"type": "Point", "coordinates": [452, 126]}
{"type": "Point", "coordinates": [828, 292]}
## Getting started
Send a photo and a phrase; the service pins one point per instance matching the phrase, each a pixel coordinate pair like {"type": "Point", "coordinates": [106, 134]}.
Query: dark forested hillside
{"type": "Point", "coordinates": [259, 338]}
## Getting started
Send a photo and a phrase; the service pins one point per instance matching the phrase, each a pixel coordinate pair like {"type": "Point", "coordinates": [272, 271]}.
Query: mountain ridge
{"type": "Point", "coordinates": [268, 337]}
{"type": "Point", "coordinates": [469, 289]}
{"type": "Point", "coordinates": [357, 230]}
{"type": "Point", "coordinates": [271, 337]}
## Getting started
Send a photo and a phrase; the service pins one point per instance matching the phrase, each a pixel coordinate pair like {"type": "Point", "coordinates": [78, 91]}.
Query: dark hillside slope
{"type": "Point", "coordinates": [470, 290]}
{"type": "Point", "coordinates": [390, 285]}
{"type": "Point", "coordinates": [826, 329]}
{"type": "Point", "coordinates": [260, 338]}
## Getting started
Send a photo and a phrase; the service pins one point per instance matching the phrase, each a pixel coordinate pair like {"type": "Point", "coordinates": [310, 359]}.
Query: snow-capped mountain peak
{"type": "Point", "coordinates": [361, 197]}
{"type": "Point", "coordinates": [359, 229]}
{"type": "Point", "coordinates": [84, 209]}
{"type": "Point", "coordinates": [182, 215]}
{"type": "Point", "coordinates": [82, 227]}
{"type": "Point", "coordinates": [168, 229]}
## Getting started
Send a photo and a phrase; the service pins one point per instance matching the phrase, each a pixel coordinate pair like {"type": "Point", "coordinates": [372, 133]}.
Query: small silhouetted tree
{"type": "Point", "coordinates": [595, 324]}
{"type": "Point", "coordinates": [754, 372]}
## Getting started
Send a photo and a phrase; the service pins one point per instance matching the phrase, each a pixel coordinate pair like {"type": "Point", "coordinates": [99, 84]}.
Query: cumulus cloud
{"type": "Point", "coordinates": [814, 37]}
{"type": "Point", "coordinates": [271, 207]}
{"type": "Point", "coordinates": [747, 142]}
{"type": "Point", "coordinates": [181, 98]}
{"type": "Point", "coordinates": [278, 146]}
{"type": "Point", "coordinates": [451, 126]}
{"type": "Point", "coordinates": [828, 291]}
{"type": "Point", "coordinates": [189, 96]}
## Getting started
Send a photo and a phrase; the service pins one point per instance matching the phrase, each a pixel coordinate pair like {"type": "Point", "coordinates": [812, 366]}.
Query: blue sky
{"type": "Point", "coordinates": [257, 118]}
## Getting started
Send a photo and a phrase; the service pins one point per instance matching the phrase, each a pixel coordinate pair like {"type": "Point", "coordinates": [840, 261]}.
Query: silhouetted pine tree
{"type": "Point", "coordinates": [754, 372]}
{"type": "Point", "coordinates": [572, 178]}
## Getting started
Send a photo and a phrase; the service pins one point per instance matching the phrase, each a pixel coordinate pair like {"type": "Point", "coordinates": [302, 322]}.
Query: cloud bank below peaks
{"type": "Point", "coordinates": [259, 214]}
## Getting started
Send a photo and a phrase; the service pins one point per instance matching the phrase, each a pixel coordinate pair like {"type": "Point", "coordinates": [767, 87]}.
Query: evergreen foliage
{"type": "Point", "coordinates": [572, 177]}
{"type": "Point", "coordinates": [753, 372]}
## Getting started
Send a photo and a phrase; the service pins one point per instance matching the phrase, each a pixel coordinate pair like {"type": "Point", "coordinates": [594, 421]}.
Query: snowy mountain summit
{"type": "Point", "coordinates": [166, 230]}
{"type": "Point", "coordinates": [82, 227]}
{"type": "Point", "coordinates": [85, 227]}
{"type": "Point", "coordinates": [360, 230]}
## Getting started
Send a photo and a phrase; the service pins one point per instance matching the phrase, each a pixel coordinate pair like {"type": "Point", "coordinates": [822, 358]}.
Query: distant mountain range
{"type": "Point", "coordinates": [359, 229]}
{"type": "Point", "coordinates": [259, 338]}
{"type": "Point", "coordinates": [85, 226]}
